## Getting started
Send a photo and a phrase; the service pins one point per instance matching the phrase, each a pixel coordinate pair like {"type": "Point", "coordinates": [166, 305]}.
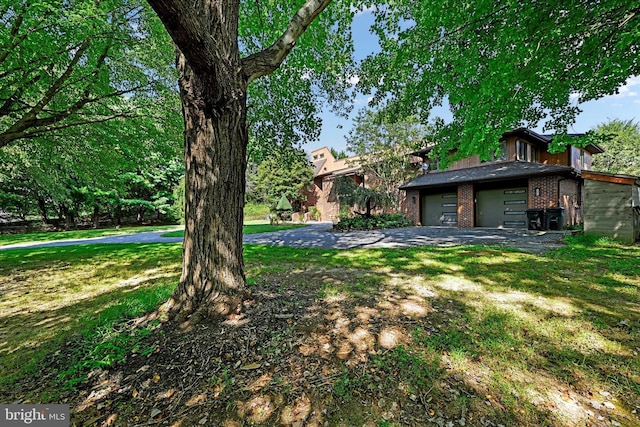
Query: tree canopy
{"type": "Point", "coordinates": [499, 65]}
{"type": "Point", "coordinates": [69, 63]}
{"type": "Point", "coordinates": [286, 173]}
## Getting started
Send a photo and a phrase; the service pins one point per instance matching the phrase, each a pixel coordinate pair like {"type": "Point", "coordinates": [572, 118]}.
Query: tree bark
{"type": "Point", "coordinates": [212, 282]}
{"type": "Point", "coordinates": [213, 80]}
{"type": "Point", "coordinates": [42, 207]}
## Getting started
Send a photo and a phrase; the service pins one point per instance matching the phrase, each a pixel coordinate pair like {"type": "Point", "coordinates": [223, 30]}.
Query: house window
{"type": "Point", "coordinates": [521, 148]}
{"type": "Point", "coordinates": [526, 152]}
{"type": "Point", "coordinates": [581, 160]}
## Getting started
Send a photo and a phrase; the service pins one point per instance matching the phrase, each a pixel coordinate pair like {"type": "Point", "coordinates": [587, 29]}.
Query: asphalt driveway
{"type": "Point", "coordinates": [319, 235]}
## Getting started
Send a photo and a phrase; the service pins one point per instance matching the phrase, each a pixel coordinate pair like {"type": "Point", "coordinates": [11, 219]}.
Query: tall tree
{"type": "Point", "coordinates": [383, 149]}
{"type": "Point", "coordinates": [224, 46]}
{"type": "Point", "coordinates": [287, 172]}
{"type": "Point", "coordinates": [621, 142]}
{"type": "Point", "coordinates": [500, 64]}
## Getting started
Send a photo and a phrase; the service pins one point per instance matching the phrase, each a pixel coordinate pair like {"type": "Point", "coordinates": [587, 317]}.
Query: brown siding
{"type": "Point", "coordinates": [511, 149]}
{"type": "Point", "coordinates": [466, 206]}
{"type": "Point", "coordinates": [570, 200]}
{"type": "Point", "coordinates": [465, 163]}
{"type": "Point", "coordinates": [608, 210]}
{"type": "Point", "coordinates": [561, 159]}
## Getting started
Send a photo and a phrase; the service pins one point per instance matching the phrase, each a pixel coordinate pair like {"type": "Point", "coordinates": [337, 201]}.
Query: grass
{"type": "Point", "coordinates": [524, 339]}
{"type": "Point", "coordinates": [11, 239]}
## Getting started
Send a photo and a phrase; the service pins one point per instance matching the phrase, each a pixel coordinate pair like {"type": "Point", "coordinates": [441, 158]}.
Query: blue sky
{"type": "Point", "coordinates": [625, 105]}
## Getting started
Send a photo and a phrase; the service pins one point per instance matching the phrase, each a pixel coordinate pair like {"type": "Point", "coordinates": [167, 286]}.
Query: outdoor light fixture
{"type": "Point", "coordinates": [536, 191]}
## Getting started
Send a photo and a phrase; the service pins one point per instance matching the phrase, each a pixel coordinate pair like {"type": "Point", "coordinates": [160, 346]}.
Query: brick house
{"type": "Point", "coordinates": [471, 193]}
{"type": "Point", "coordinates": [326, 169]}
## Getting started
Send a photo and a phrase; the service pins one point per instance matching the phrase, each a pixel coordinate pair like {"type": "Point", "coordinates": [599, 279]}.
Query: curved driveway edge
{"type": "Point", "coordinates": [318, 235]}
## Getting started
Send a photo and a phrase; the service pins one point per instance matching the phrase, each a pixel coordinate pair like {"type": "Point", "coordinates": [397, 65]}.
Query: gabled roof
{"type": "Point", "coordinates": [544, 140]}
{"type": "Point", "coordinates": [494, 171]}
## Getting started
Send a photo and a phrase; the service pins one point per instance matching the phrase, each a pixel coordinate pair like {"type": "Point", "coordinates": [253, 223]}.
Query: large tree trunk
{"type": "Point", "coordinates": [213, 282]}
{"type": "Point", "coordinates": [213, 83]}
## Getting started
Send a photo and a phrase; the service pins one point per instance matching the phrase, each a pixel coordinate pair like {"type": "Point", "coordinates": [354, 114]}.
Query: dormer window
{"type": "Point", "coordinates": [526, 152]}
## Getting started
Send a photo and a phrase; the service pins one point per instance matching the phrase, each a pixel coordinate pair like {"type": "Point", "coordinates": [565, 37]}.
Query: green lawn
{"type": "Point", "coordinates": [467, 333]}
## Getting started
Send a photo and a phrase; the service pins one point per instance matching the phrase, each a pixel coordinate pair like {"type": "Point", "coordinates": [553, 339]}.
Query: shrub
{"type": "Point", "coordinates": [373, 222]}
{"type": "Point", "coordinates": [254, 211]}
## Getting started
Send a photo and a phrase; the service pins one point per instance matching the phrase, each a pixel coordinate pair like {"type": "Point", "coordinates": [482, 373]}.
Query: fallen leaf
{"type": "Point", "coordinates": [156, 378]}
{"type": "Point", "coordinates": [135, 393]}
{"type": "Point", "coordinates": [250, 366]}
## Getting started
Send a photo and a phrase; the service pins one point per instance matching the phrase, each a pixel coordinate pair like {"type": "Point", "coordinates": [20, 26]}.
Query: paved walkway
{"type": "Point", "coordinates": [318, 235]}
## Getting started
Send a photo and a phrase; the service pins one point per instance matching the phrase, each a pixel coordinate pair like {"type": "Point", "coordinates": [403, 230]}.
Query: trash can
{"type": "Point", "coordinates": [535, 219]}
{"type": "Point", "coordinates": [555, 218]}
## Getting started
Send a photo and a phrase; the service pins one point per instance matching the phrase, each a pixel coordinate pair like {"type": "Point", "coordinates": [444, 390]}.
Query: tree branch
{"type": "Point", "coordinates": [184, 25]}
{"type": "Point", "coordinates": [7, 137]}
{"type": "Point", "coordinates": [267, 61]}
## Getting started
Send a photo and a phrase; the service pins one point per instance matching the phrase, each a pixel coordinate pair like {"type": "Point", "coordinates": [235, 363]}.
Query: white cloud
{"type": "Point", "coordinates": [363, 101]}
{"type": "Point", "coordinates": [626, 91]}
{"type": "Point", "coordinates": [353, 80]}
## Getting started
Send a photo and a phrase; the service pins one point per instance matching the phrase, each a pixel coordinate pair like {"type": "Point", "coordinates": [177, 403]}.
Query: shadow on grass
{"type": "Point", "coordinates": [473, 336]}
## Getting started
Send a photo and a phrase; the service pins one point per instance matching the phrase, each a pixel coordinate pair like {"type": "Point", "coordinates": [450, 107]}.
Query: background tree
{"type": "Point", "coordinates": [286, 173]}
{"type": "Point", "coordinates": [70, 63]}
{"type": "Point", "coordinates": [352, 195]}
{"type": "Point", "coordinates": [384, 149]}
{"type": "Point", "coordinates": [87, 98]}
{"type": "Point", "coordinates": [101, 170]}
{"type": "Point", "coordinates": [499, 65]}
{"type": "Point", "coordinates": [621, 142]}
{"type": "Point", "coordinates": [338, 154]}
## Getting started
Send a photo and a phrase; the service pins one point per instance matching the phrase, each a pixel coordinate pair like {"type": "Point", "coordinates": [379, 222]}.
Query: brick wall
{"type": "Point", "coordinates": [412, 207]}
{"type": "Point", "coordinates": [569, 197]}
{"type": "Point", "coordinates": [543, 192]}
{"type": "Point", "coordinates": [319, 195]}
{"type": "Point", "coordinates": [466, 210]}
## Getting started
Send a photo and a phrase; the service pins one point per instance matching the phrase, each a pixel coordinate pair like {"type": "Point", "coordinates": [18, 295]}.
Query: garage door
{"type": "Point", "coordinates": [440, 209]}
{"type": "Point", "coordinates": [504, 208]}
